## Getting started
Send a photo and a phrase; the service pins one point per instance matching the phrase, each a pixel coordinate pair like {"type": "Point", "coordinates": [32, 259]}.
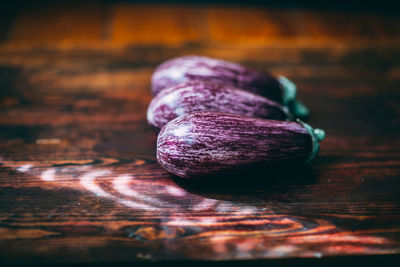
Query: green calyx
{"type": "Point", "coordinates": [317, 135]}
{"type": "Point", "coordinates": [296, 108]}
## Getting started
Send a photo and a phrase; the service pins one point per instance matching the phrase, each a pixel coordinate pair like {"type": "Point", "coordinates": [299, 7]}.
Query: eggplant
{"type": "Point", "coordinates": [204, 143]}
{"type": "Point", "coordinates": [199, 68]}
{"type": "Point", "coordinates": [193, 96]}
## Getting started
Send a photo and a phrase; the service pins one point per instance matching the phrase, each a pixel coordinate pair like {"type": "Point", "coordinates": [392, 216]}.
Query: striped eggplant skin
{"type": "Point", "coordinates": [204, 143]}
{"type": "Point", "coordinates": [193, 96]}
{"type": "Point", "coordinates": [202, 68]}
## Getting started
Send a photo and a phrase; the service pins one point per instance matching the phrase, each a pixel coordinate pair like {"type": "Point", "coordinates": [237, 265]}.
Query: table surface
{"type": "Point", "coordinates": [79, 181]}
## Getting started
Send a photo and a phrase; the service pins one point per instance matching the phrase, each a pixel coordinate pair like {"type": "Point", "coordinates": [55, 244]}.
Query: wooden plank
{"type": "Point", "coordinates": [349, 28]}
{"type": "Point", "coordinates": [57, 24]}
{"type": "Point", "coordinates": [249, 26]}
{"type": "Point", "coordinates": [174, 25]}
{"type": "Point", "coordinates": [156, 25]}
{"type": "Point", "coordinates": [386, 29]}
{"type": "Point", "coordinates": [79, 181]}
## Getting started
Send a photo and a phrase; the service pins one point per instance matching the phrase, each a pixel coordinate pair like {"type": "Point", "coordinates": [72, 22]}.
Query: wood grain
{"type": "Point", "coordinates": [79, 181]}
{"type": "Point", "coordinates": [161, 25]}
{"type": "Point", "coordinates": [115, 24]}
{"type": "Point", "coordinates": [79, 175]}
{"type": "Point", "coordinates": [62, 23]}
{"type": "Point", "coordinates": [249, 26]}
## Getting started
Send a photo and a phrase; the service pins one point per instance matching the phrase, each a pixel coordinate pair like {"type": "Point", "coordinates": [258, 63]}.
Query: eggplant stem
{"type": "Point", "coordinates": [289, 99]}
{"type": "Point", "coordinates": [317, 135]}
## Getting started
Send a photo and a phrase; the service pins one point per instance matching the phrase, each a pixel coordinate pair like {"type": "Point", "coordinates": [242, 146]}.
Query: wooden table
{"type": "Point", "coordinates": [79, 181]}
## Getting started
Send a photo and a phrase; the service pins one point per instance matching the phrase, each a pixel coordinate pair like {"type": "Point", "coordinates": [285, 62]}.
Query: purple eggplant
{"type": "Point", "coordinates": [193, 96]}
{"type": "Point", "coordinates": [205, 143]}
{"type": "Point", "coordinates": [199, 68]}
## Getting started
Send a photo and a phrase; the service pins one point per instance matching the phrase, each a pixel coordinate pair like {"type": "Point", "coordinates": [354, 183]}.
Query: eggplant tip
{"type": "Point", "coordinates": [319, 134]}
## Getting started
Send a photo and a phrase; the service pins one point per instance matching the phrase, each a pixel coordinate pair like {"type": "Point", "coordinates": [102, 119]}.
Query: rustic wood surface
{"type": "Point", "coordinates": [79, 181]}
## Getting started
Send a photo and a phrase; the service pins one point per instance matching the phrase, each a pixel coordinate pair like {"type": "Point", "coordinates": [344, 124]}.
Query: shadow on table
{"type": "Point", "coordinates": [253, 182]}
